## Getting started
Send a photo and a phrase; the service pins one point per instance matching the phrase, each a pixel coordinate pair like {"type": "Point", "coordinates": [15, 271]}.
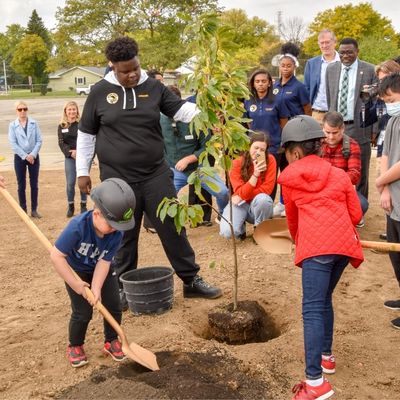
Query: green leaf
{"type": "Point", "coordinates": [172, 210]}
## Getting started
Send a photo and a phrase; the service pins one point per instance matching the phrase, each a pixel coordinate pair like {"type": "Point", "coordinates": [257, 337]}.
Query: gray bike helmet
{"type": "Point", "coordinates": [116, 201]}
{"type": "Point", "coordinates": [300, 129]}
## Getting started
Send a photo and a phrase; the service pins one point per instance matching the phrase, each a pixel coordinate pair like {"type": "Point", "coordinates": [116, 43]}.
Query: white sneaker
{"type": "Point", "coordinates": [361, 224]}
{"type": "Point", "coordinates": [279, 208]}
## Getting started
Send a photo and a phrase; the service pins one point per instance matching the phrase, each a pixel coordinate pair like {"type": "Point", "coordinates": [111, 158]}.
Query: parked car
{"type": "Point", "coordinates": [83, 90]}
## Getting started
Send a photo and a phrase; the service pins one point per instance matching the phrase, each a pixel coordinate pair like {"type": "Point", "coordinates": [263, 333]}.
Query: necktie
{"type": "Point", "coordinates": [344, 92]}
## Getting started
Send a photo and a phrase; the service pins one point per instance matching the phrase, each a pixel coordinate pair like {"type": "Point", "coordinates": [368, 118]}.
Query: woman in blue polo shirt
{"type": "Point", "coordinates": [293, 94]}
{"type": "Point", "coordinates": [266, 113]}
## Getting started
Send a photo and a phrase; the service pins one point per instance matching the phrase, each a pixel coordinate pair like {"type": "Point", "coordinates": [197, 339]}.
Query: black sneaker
{"type": "Point", "coordinates": [392, 304]}
{"type": "Point", "coordinates": [383, 236]}
{"type": "Point", "coordinates": [83, 208]}
{"type": "Point", "coordinates": [396, 323]}
{"type": "Point", "coordinates": [200, 288]}
{"type": "Point", "coordinates": [70, 211]}
{"type": "Point", "coordinates": [122, 299]}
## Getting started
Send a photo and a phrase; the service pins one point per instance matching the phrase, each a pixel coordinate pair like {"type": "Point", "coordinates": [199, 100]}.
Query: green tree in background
{"type": "Point", "coordinates": [36, 27]}
{"type": "Point", "coordinates": [255, 37]}
{"type": "Point", "coordinates": [356, 21]}
{"type": "Point", "coordinates": [375, 50]}
{"type": "Point", "coordinates": [157, 25]}
{"type": "Point", "coordinates": [8, 43]}
{"type": "Point", "coordinates": [30, 58]}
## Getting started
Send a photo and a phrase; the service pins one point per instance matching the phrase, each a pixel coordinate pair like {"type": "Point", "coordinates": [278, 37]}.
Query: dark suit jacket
{"type": "Point", "coordinates": [365, 76]}
{"type": "Point", "coordinates": [312, 76]}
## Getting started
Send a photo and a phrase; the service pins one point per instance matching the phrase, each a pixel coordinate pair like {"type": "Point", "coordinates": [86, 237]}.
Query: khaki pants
{"type": "Point", "coordinates": [318, 115]}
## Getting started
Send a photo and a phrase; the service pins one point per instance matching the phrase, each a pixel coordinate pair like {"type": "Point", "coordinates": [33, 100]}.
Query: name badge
{"type": "Point", "coordinates": [269, 109]}
{"type": "Point", "coordinates": [189, 137]}
{"type": "Point", "coordinates": [65, 130]}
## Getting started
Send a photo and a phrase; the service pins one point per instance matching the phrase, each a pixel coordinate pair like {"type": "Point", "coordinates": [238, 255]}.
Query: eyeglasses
{"type": "Point", "coordinates": [22, 109]}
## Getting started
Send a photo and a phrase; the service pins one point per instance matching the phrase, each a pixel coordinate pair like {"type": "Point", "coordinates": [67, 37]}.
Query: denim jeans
{"type": "Point", "coordinates": [70, 175]}
{"type": "Point", "coordinates": [222, 196]}
{"type": "Point", "coordinates": [259, 209]}
{"type": "Point", "coordinates": [363, 202]}
{"type": "Point", "coordinates": [320, 276]}
{"type": "Point", "coordinates": [20, 167]}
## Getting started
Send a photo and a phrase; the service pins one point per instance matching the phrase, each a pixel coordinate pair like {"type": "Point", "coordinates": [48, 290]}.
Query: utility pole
{"type": "Point", "coordinates": [5, 75]}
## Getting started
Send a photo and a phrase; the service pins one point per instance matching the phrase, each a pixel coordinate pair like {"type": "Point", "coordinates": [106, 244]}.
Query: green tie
{"type": "Point", "coordinates": [344, 91]}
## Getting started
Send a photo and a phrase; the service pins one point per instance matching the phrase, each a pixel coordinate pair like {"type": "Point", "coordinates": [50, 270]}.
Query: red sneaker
{"type": "Point", "coordinates": [329, 366]}
{"type": "Point", "coordinates": [303, 391]}
{"type": "Point", "coordinates": [114, 349]}
{"type": "Point", "coordinates": [76, 356]}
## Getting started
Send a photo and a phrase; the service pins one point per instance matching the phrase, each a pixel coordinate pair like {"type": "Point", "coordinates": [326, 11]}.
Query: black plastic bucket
{"type": "Point", "coordinates": [149, 290]}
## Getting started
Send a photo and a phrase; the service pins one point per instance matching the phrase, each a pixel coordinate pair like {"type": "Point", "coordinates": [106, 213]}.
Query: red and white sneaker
{"type": "Point", "coordinates": [76, 356]}
{"type": "Point", "coordinates": [114, 349]}
{"type": "Point", "coordinates": [303, 391]}
{"type": "Point", "coordinates": [329, 365]}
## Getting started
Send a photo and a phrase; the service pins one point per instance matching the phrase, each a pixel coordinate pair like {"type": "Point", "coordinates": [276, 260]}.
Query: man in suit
{"type": "Point", "coordinates": [315, 70]}
{"type": "Point", "coordinates": [344, 81]}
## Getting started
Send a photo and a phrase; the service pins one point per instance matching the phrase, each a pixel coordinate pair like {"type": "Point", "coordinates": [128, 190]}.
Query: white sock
{"type": "Point", "coordinates": [315, 382]}
{"type": "Point", "coordinates": [324, 357]}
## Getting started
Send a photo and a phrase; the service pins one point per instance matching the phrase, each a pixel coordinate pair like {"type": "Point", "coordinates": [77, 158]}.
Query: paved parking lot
{"type": "Point", "coordinates": [47, 112]}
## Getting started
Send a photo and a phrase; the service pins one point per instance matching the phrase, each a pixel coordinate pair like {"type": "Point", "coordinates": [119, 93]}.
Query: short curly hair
{"type": "Point", "coordinates": [122, 49]}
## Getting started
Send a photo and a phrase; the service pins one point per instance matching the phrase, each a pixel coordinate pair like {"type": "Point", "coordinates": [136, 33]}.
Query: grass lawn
{"type": "Point", "coordinates": [27, 94]}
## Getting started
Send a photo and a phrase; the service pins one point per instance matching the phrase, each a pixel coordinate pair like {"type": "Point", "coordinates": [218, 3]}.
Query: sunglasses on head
{"type": "Point", "coordinates": [22, 109]}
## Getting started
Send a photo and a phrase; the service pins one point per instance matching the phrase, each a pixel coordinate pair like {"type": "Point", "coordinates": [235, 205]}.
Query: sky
{"type": "Point", "coordinates": [19, 11]}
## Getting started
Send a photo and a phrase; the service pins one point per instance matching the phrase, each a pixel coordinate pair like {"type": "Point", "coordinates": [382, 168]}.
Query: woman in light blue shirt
{"type": "Point", "coordinates": [26, 140]}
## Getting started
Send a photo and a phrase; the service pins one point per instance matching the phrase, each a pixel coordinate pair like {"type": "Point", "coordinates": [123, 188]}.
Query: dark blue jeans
{"type": "Point", "coordinates": [320, 276]}
{"type": "Point", "coordinates": [70, 175]}
{"type": "Point", "coordinates": [20, 167]}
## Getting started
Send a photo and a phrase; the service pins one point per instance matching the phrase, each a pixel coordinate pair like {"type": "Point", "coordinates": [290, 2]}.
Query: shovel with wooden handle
{"type": "Point", "coordinates": [272, 235]}
{"type": "Point", "coordinates": [135, 352]}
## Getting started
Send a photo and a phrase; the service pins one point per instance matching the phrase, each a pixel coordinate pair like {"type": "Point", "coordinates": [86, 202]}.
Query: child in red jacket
{"type": "Point", "coordinates": [322, 210]}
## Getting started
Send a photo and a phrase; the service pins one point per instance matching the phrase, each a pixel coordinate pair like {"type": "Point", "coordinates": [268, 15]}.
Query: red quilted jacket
{"type": "Point", "coordinates": [322, 209]}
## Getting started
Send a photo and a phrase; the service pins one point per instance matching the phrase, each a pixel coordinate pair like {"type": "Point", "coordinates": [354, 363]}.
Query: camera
{"type": "Point", "coordinates": [369, 92]}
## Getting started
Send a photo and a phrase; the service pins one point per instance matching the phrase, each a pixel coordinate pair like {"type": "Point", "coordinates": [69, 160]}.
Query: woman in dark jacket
{"type": "Point", "coordinates": [67, 134]}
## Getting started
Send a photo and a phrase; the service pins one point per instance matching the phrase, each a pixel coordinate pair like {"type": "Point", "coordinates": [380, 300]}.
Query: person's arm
{"type": "Point", "coordinates": [64, 147]}
{"type": "Point", "coordinates": [64, 270]}
{"type": "Point", "coordinates": [183, 163]}
{"type": "Point", "coordinates": [12, 138]}
{"type": "Point", "coordinates": [38, 141]}
{"type": "Point", "coordinates": [100, 274]}
{"type": "Point", "coordinates": [187, 112]}
{"type": "Point", "coordinates": [307, 109]}
{"type": "Point", "coordinates": [354, 163]}
{"type": "Point", "coordinates": [390, 175]}
{"type": "Point", "coordinates": [85, 147]}
{"type": "Point", "coordinates": [353, 203]}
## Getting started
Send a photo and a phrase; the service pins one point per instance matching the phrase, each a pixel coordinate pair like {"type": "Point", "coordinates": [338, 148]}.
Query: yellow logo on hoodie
{"type": "Point", "coordinates": [112, 98]}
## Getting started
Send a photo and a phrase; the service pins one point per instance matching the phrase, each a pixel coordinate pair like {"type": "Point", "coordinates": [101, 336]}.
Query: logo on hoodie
{"type": "Point", "coordinates": [112, 98]}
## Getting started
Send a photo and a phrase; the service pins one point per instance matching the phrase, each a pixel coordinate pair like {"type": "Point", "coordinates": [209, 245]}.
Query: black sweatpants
{"type": "Point", "coordinates": [180, 254]}
{"type": "Point", "coordinates": [393, 235]}
{"type": "Point", "coordinates": [82, 311]}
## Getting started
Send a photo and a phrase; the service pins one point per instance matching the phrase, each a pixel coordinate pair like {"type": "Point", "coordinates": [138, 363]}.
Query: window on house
{"type": "Point", "coordinates": [80, 81]}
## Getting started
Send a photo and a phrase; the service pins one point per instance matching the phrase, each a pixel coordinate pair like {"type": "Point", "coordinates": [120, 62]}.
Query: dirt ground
{"type": "Point", "coordinates": [35, 312]}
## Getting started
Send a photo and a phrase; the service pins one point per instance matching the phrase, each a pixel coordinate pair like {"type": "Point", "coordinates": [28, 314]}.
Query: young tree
{"type": "Point", "coordinates": [221, 87]}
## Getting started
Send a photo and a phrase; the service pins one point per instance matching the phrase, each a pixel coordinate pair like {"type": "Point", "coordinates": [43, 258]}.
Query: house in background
{"type": "Point", "coordinates": [71, 78]}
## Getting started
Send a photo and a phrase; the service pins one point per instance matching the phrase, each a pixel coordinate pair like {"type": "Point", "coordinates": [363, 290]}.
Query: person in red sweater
{"type": "Point", "coordinates": [347, 158]}
{"type": "Point", "coordinates": [322, 210]}
{"type": "Point", "coordinates": [252, 177]}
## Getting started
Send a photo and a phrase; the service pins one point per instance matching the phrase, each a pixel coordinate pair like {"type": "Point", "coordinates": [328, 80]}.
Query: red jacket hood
{"type": "Point", "coordinates": [309, 174]}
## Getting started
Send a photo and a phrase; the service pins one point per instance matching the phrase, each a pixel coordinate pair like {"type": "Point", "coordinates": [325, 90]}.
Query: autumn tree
{"type": "Point", "coordinates": [254, 36]}
{"type": "Point", "coordinates": [30, 57]}
{"type": "Point", "coordinates": [157, 25]}
{"type": "Point", "coordinates": [356, 21]}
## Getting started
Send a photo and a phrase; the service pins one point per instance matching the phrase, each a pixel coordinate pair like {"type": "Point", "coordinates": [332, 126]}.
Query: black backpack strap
{"type": "Point", "coordinates": [346, 146]}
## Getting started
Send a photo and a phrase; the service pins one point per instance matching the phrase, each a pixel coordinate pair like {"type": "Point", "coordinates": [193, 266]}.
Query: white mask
{"type": "Point", "coordinates": [393, 109]}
